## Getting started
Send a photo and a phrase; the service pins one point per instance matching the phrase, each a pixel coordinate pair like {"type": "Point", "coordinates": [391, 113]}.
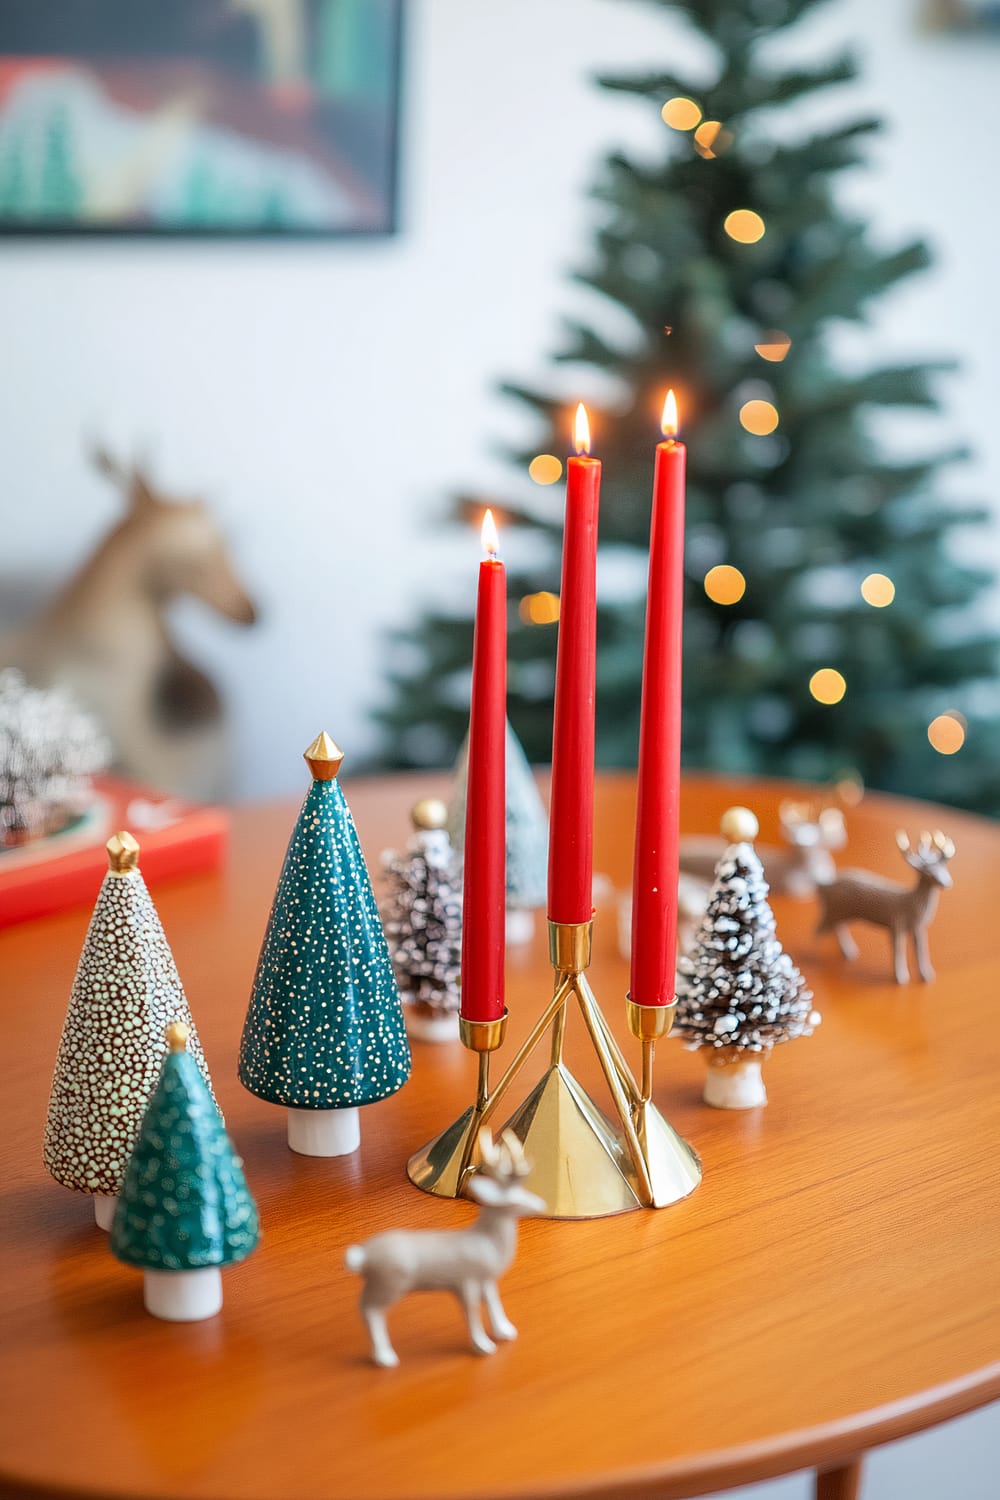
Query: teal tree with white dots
{"type": "Point", "coordinates": [185, 1208]}
{"type": "Point", "coordinates": [324, 1030]}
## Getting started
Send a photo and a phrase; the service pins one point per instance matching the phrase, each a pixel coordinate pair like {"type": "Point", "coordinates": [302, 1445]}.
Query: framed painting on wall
{"type": "Point", "coordinates": [199, 117]}
{"type": "Point", "coordinates": [963, 17]}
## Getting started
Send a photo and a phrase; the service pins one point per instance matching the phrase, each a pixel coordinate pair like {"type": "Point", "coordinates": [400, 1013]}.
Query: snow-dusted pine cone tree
{"type": "Point", "coordinates": [738, 992]}
{"type": "Point", "coordinates": [422, 917]}
{"type": "Point", "coordinates": [49, 749]}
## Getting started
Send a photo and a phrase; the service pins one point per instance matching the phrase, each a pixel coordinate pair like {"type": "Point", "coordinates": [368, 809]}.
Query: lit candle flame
{"type": "Point", "coordinates": [668, 421]}
{"type": "Point", "coordinates": [581, 430]}
{"type": "Point", "coordinates": [491, 542]}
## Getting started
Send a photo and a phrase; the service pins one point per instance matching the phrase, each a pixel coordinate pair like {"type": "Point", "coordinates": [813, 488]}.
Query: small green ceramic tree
{"type": "Point", "coordinates": [324, 1031]}
{"type": "Point", "coordinates": [184, 1209]}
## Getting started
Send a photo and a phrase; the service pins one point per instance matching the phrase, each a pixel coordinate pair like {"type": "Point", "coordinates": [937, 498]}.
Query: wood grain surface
{"type": "Point", "coordinates": [832, 1284]}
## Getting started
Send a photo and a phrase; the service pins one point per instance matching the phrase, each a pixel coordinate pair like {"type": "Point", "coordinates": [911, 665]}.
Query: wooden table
{"type": "Point", "coordinates": [831, 1285]}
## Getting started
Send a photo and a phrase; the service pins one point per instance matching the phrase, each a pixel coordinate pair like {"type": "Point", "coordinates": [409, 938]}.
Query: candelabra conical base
{"type": "Point", "coordinates": [584, 1164]}
{"type": "Point", "coordinates": [578, 1166]}
{"type": "Point", "coordinates": [440, 1166]}
{"type": "Point", "coordinates": [674, 1169]}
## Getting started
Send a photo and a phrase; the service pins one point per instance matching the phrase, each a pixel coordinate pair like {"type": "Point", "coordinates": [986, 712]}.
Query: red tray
{"type": "Point", "coordinates": [64, 870]}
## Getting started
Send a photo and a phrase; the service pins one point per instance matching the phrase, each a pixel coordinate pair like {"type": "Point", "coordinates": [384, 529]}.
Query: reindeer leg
{"type": "Point", "coordinates": [900, 969]}
{"type": "Point", "coordinates": [845, 942]}
{"type": "Point", "coordinates": [471, 1293]}
{"type": "Point", "coordinates": [922, 951]}
{"type": "Point", "coordinates": [382, 1351]}
{"type": "Point", "coordinates": [502, 1327]}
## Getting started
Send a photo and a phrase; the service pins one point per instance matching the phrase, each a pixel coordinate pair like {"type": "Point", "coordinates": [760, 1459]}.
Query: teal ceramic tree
{"type": "Point", "coordinates": [324, 1031]}
{"type": "Point", "coordinates": [184, 1209]}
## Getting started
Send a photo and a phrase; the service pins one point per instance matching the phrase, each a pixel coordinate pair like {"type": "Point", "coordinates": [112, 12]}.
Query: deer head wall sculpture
{"type": "Point", "coordinates": [106, 637]}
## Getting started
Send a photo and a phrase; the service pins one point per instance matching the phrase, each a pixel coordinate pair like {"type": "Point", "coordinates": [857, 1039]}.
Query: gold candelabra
{"type": "Point", "coordinates": [584, 1164]}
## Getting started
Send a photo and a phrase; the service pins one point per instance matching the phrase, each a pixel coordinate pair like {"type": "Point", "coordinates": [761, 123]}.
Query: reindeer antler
{"type": "Point", "coordinates": [132, 479]}
{"type": "Point", "coordinates": [504, 1159]}
{"type": "Point", "coordinates": [943, 845]}
{"type": "Point", "coordinates": [489, 1153]}
{"type": "Point", "coordinates": [105, 462]}
{"type": "Point", "coordinates": [520, 1166]}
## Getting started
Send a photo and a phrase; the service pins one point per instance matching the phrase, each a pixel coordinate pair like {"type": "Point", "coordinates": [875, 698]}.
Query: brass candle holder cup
{"type": "Point", "coordinates": [584, 1163]}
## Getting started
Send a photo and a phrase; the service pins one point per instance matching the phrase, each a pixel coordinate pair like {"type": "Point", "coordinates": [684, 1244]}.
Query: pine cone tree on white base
{"type": "Point", "coordinates": [738, 992]}
{"type": "Point", "coordinates": [422, 918]}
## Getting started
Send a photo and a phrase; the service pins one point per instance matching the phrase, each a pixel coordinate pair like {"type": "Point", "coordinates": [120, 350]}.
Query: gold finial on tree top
{"type": "Point", "coordinates": [123, 852]}
{"type": "Point", "coordinates": [739, 826]}
{"type": "Point", "coordinates": [177, 1034]}
{"type": "Point", "coordinates": [324, 758]}
{"type": "Point", "coordinates": [429, 812]}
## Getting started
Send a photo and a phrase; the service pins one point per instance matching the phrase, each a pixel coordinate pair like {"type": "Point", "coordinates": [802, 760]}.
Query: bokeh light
{"type": "Point", "coordinates": [539, 609]}
{"type": "Point", "coordinates": [759, 417]}
{"type": "Point", "coordinates": [878, 590]}
{"type": "Point", "coordinates": [773, 346]}
{"type": "Point", "coordinates": [710, 139]}
{"type": "Point", "coordinates": [827, 685]}
{"type": "Point", "coordinates": [681, 113]}
{"type": "Point", "coordinates": [946, 734]}
{"type": "Point", "coordinates": [725, 584]}
{"type": "Point", "coordinates": [744, 225]}
{"type": "Point", "coordinates": [545, 468]}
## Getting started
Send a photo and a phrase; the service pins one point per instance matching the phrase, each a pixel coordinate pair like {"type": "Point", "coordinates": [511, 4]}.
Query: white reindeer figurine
{"type": "Point", "coordinates": [860, 896]}
{"type": "Point", "coordinates": [811, 831]}
{"type": "Point", "coordinates": [464, 1261]}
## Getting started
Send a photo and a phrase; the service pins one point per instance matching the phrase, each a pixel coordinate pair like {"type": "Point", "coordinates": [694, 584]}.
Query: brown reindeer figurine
{"type": "Point", "coordinates": [105, 636]}
{"type": "Point", "coordinates": [860, 896]}
{"type": "Point", "coordinates": [464, 1261]}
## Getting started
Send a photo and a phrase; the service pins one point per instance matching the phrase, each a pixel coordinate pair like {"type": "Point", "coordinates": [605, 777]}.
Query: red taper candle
{"type": "Point", "coordinates": [571, 806]}
{"type": "Point", "coordinates": [654, 881]}
{"type": "Point", "coordinates": [485, 891]}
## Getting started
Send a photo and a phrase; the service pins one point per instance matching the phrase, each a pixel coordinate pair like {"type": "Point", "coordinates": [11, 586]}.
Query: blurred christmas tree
{"type": "Point", "coordinates": [828, 623]}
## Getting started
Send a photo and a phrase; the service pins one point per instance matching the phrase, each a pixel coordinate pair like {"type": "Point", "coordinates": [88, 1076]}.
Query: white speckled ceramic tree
{"type": "Point", "coordinates": [126, 992]}
{"type": "Point", "coordinates": [324, 1029]}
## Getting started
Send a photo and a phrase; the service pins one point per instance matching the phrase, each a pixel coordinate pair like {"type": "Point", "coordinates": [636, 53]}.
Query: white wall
{"type": "Point", "coordinates": [330, 397]}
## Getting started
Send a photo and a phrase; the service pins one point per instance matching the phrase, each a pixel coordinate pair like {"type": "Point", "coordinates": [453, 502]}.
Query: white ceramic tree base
{"type": "Point", "coordinates": [104, 1209]}
{"type": "Point", "coordinates": [520, 925]}
{"type": "Point", "coordinates": [425, 1028]}
{"type": "Point", "coordinates": [324, 1132]}
{"type": "Point", "coordinates": [183, 1296]}
{"type": "Point", "coordinates": [735, 1085]}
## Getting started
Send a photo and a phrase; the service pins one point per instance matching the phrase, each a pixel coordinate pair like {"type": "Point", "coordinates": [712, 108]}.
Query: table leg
{"type": "Point", "coordinates": [840, 1484]}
